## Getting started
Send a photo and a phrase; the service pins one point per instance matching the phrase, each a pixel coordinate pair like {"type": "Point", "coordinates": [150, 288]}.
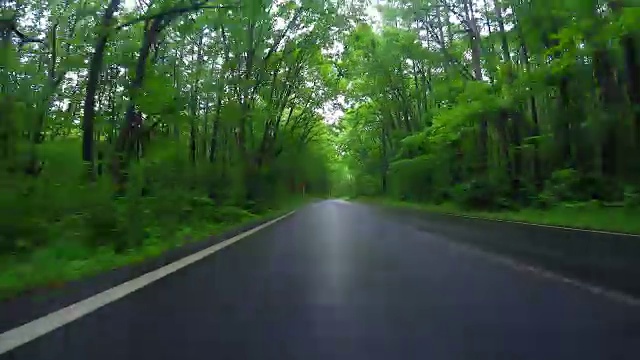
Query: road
{"type": "Point", "coordinates": [338, 280]}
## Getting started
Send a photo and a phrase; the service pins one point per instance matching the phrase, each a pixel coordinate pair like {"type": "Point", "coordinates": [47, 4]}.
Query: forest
{"type": "Point", "coordinates": [527, 108]}
{"type": "Point", "coordinates": [128, 127]}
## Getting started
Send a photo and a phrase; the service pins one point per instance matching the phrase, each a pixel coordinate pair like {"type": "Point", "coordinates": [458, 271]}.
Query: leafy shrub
{"type": "Point", "coordinates": [22, 225]}
{"type": "Point", "coordinates": [544, 200]}
{"type": "Point", "coordinates": [19, 233]}
{"type": "Point", "coordinates": [103, 226]}
{"type": "Point", "coordinates": [570, 185]}
{"type": "Point", "coordinates": [601, 188]}
{"type": "Point", "coordinates": [631, 196]}
{"type": "Point", "coordinates": [230, 214]}
{"type": "Point", "coordinates": [480, 194]}
{"type": "Point", "coordinates": [562, 185]}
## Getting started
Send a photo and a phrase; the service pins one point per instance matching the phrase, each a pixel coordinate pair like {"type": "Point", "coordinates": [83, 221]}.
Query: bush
{"type": "Point", "coordinates": [544, 200]}
{"type": "Point", "coordinates": [22, 224]}
{"type": "Point", "coordinates": [161, 198]}
{"type": "Point", "coordinates": [631, 196]}
{"type": "Point", "coordinates": [594, 187]}
{"type": "Point", "coordinates": [481, 194]}
{"type": "Point", "coordinates": [570, 185]}
{"type": "Point", "coordinates": [230, 214]}
{"type": "Point", "coordinates": [562, 186]}
{"type": "Point", "coordinates": [20, 233]}
{"type": "Point", "coordinates": [102, 226]}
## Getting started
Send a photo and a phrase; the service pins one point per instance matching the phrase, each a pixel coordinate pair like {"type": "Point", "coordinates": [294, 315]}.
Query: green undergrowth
{"type": "Point", "coordinates": [587, 215]}
{"type": "Point", "coordinates": [59, 227]}
{"type": "Point", "coordinates": [68, 259]}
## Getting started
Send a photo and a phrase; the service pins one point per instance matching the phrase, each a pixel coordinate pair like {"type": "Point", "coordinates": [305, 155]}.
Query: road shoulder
{"type": "Point", "coordinates": [600, 259]}
{"type": "Point", "coordinates": [21, 309]}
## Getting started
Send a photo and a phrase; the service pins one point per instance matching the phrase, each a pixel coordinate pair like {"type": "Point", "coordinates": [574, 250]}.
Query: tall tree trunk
{"type": "Point", "coordinates": [506, 55]}
{"type": "Point", "coordinates": [52, 83]}
{"type": "Point", "coordinates": [95, 68]}
{"type": "Point", "coordinates": [564, 124]}
{"type": "Point", "coordinates": [610, 96]}
{"type": "Point", "coordinates": [216, 129]}
{"type": "Point", "coordinates": [533, 108]}
{"type": "Point", "coordinates": [564, 121]}
{"type": "Point", "coordinates": [246, 98]}
{"type": "Point", "coordinates": [205, 128]}
{"type": "Point", "coordinates": [629, 44]}
{"type": "Point", "coordinates": [178, 85]}
{"type": "Point", "coordinates": [516, 121]}
{"type": "Point", "coordinates": [385, 161]}
{"type": "Point", "coordinates": [132, 126]}
{"type": "Point", "coordinates": [195, 102]}
{"type": "Point", "coordinates": [491, 72]}
{"type": "Point", "coordinates": [418, 94]}
{"type": "Point", "coordinates": [632, 65]}
{"type": "Point", "coordinates": [215, 132]}
{"type": "Point", "coordinates": [476, 54]}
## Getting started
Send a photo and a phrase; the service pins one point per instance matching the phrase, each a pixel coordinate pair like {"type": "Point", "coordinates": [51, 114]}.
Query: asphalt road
{"type": "Point", "coordinates": [338, 280]}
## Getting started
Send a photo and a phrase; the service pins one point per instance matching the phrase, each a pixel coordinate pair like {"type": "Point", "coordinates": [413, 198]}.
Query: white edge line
{"type": "Point", "coordinates": [536, 271]}
{"type": "Point", "coordinates": [23, 334]}
{"type": "Point", "coordinates": [611, 294]}
{"type": "Point", "coordinates": [541, 225]}
{"type": "Point", "coordinates": [617, 296]}
{"type": "Point", "coordinates": [515, 221]}
{"type": "Point", "coordinates": [614, 295]}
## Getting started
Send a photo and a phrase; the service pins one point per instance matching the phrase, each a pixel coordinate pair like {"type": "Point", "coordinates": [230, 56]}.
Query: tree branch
{"type": "Point", "coordinates": [24, 39]}
{"type": "Point", "coordinates": [174, 12]}
{"type": "Point", "coordinates": [463, 19]}
{"type": "Point", "coordinates": [464, 71]}
{"type": "Point", "coordinates": [284, 33]}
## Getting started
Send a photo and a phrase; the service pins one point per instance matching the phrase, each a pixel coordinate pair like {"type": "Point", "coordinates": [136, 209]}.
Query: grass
{"type": "Point", "coordinates": [57, 228]}
{"type": "Point", "coordinates": [589, 216]}
{"type": "Point", "coordinates": [67, 260]}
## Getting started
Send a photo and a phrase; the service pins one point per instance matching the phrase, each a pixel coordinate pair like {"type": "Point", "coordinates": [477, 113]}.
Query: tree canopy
{"type": "Point", "coordinates": [125, 121]}
{"type": "Point", "coordinates": [141, 101]}
{"type": "Point", "coordinates": [495, 103]}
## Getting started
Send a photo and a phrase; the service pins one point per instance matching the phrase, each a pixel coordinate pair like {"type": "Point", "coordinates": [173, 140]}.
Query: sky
{"type": "Point", "coordinates": [129, 4]}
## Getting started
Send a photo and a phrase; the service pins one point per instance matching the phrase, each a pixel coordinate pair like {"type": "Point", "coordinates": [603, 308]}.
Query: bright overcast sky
{"type": "Point", "coordinates": [129, 4]}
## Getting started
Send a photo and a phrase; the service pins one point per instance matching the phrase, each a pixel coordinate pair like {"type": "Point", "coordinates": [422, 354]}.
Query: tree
{"type": "Point", "coordinates": [496, 128]}
{"type": "Point", "coordinates": [166, 102]}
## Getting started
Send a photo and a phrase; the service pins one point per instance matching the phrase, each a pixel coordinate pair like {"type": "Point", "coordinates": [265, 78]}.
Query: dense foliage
{"type": "Point", "coordinates": [495, 103]}
{"type": "Point", "coordinates": [125, 123]}
{"type": "Point", "coordinates": [122, 122]}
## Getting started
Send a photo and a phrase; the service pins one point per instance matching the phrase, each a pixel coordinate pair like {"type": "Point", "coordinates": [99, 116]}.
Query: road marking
{"type": "Point", "coordinates": [21, 335]}
{"type": "Point", "coordinates": [611, 294]}
{"type": "Point", "coordinates": [543, 225]}
{"type": "Point", "coordinates": [614, 295]}
{"type": "Point", "coordinates": [516, 222]}
{"type": "Point", "coordinates": [522, 267]}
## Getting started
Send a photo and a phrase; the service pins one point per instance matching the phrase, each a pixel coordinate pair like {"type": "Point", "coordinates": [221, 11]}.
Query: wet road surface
{"type": "Point", "coordinates": [340, 280]}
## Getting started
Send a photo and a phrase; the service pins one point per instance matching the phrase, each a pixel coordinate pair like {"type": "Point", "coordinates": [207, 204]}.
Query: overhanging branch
{"type": "Point", "coordinates": [174, 12]}
{"type": "Point", "coordinates": [10, 26]}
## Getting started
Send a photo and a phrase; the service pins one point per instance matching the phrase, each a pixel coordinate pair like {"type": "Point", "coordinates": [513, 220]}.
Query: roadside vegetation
{"type": "Point", "coordinates": [511, 109]}
{"type": "Point", "coordinates": [131, 127]}
{"type": "Point", "coordinates": [583, 215]}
